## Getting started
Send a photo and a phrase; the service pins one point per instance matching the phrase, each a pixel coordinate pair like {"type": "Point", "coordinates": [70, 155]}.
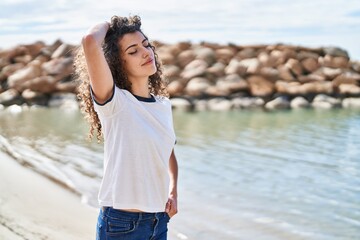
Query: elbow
{"type": "Point", "coordinates": [88, 40]}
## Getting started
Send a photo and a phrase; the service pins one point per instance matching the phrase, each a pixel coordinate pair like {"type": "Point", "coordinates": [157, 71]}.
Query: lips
{"type": "Point", "coordinates": [148, 62]}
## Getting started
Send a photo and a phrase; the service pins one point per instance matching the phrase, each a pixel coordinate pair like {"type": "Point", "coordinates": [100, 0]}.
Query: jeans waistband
{"type": "Point", "coordinates": [117, 213]}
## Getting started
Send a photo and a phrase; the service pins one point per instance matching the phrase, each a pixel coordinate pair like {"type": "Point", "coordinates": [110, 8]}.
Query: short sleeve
{"type": "Point", "coordinates": [112, 106]}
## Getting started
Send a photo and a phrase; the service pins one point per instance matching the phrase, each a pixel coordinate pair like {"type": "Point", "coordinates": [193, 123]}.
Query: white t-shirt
{"type": "Point", "coordinates": [138, 140]}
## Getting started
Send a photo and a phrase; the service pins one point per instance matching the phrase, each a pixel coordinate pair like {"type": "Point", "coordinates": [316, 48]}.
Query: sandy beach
{"type": "Point", "coordinates": [33, 207]}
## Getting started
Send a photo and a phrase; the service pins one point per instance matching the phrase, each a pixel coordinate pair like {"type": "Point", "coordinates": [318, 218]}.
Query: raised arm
{"type": "Point", "coordinates": [100, 75]}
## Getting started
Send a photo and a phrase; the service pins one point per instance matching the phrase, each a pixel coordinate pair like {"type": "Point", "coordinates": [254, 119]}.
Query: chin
{"type": "Point", "coordinates": [154, 70]}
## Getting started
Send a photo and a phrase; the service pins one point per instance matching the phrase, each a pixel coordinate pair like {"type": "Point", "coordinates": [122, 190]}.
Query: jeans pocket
{"type": "Point", "coordinates": [120, 226]}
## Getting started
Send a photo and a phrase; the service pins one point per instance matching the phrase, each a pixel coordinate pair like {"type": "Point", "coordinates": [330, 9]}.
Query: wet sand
{"type": "Point", "coordinates": [33, 207]}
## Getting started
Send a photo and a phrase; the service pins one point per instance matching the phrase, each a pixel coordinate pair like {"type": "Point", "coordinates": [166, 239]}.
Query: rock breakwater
{"type": "Point", "coordinates": [204, 76]}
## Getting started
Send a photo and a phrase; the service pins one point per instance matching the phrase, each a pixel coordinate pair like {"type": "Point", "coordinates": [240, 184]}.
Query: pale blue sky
{"type": "Point", "coordinates": [313, 23]}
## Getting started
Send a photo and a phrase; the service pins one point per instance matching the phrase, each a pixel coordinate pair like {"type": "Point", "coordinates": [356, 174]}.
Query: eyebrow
{"type": "Point", "coordinates": [134, 45]}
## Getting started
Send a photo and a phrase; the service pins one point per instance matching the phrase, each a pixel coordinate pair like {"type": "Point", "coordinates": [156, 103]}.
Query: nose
{"type": "Point", "coordinates": [146, 52]}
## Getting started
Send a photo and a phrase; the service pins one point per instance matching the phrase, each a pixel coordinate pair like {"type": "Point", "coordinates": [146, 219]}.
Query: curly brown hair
{"type": "Point", "coordinates": [119, 26]}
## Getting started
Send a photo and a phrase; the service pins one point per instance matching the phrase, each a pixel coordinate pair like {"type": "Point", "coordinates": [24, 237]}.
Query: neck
{"type": "Point", "coordinates": [140, 88]}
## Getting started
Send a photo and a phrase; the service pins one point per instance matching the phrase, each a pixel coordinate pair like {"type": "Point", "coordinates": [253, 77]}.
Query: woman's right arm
{"type": "Point", "coordinates": [99, 72]}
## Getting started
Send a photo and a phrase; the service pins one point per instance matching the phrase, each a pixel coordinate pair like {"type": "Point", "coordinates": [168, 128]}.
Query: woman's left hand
{"type": "Point", "coordinates": [171, 206]}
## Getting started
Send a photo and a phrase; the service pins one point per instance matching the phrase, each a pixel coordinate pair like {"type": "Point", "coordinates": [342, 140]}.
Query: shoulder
{"type": "Point", "coordinates": [162, 99]}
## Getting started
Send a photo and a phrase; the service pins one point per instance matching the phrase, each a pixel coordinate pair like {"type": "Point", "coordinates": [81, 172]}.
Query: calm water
{"type": "Point", "coordinates": [243, 175]}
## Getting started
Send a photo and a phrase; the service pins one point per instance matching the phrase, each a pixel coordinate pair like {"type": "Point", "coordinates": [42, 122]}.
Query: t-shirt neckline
{"type": "Point", "coordinates": [145, 99]}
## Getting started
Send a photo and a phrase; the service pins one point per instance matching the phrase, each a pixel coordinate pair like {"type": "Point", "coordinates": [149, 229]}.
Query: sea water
{"type": "Point", "coordinates": [242, 174]}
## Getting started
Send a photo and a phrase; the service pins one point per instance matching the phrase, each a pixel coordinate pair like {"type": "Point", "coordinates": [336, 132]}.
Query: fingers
{"type": "Point", "coordinates": [171, 207]}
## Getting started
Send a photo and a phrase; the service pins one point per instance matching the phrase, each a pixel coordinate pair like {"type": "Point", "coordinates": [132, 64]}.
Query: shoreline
{"type": "Point", "coordinates": [33, 207]}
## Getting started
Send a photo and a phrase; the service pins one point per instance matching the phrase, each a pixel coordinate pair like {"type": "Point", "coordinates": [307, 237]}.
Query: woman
{"type": "Point", "coordinates": [125, 101]}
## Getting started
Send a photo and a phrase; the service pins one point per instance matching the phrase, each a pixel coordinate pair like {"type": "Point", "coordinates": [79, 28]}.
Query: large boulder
{"type": "Point", "coordinates": [18, 78]}
{"type": "Point", "coordinates": [260, 87]}
{"type": "Point", "coordinates": [197, 86]}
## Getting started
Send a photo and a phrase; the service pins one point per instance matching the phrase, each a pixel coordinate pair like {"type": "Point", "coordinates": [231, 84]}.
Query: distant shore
{"type": "Point", "coordinates": [205, 76]}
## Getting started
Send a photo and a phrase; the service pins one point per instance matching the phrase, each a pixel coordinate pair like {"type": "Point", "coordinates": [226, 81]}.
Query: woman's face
{"type": "Point", "coordinates": [137, 55]}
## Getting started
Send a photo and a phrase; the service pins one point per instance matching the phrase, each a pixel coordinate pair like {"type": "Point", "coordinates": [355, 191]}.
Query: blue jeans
{"type": "Point", "coordinates": [114, 224]}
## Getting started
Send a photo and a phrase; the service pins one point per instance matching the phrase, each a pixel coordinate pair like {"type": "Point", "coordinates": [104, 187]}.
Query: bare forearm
{"type": "Point", "coordinates": [173, 173]}
{"type": "Point", "coordinates": [98, 68]}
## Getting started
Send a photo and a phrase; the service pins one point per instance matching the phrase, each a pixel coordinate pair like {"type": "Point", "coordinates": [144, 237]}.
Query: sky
{"type": "Point", "coordinates": [315, 23]}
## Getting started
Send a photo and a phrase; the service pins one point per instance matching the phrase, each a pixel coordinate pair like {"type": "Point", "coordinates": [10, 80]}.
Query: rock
{"type": "Point", "coordinates": [197, 86]}
{"type": "Point", "coordinates": [270, 73]}
{"type": "Point", "coordinates": [195, 68]}
{"type": "Point", "coordinates": [260, 87]}
{"type": "Point", "coordinates": [248, 102]}
{"type": "Point", "coordinates": [167, 58]}
{"type": "Point", "coordinates": [9, 97]}
{"type": "Point", "coordinates": [302, 55]}
{"type": "Point", "coordinates": [347, 77]}
{"type": "Point", "coordinates": [35, 49]}
{"type": "Point", "coordinates": [247, 53]}
{"type": "Point", "coordinates": [349, 89]}
{"type": "Point", "coordinates": [234, 67]}
{"type": "Point", "coordinates": [299, 102]}
{"type": "Point", "coordinates": [49, 50]}
{"type": "Point", "coordinates": [28, 94]}
{"type": "Point", "coordinates": [356, 66]}
{"type": "Point", "coordinates": [66, 87]}
{"type": "Point", "coordinates": [171, 72]}
{"type": "Point", "coordinates": [285, 73]}
{"type": "Point", "coordinates": [252, 65]}
{"type": "Point", "coordinates": [264, 59]}
{"type": "Point", "coordinates": [182, 46]}
{"type": "Point", "coordinates": [294, 66]}
{"type": "Point", "coordinates": [336, 52]}
{"type": "Point", "coordinates": [25, 59]}
{"type": "Point", "coordinates": [317, 87]}
{"type": "Point", "coordinates": [181, 104]}
{"type": "Point", "coordinates": [278, 103]}
{"type": "Point", "coordinates": [219, 104]}
{"type": "Point", "coordinates": [14, 109]}
{"type": "Point", "coordinates": [18, 78]}
{"type": "Point", "coordinates": [64, 50]}
{"type": "Point", "coordinates": [218, 69]}
{"type": "Point", "coordinates": [277, 58]}
{"type": "Point", "coordinates": [328, 73]}
{"type": "Point", "coordinates": [10, 69]}
{"type": "Point", "coordinates": [175, 88]}
{"type": "Point", "coordinates": [4, 62]}
{"type": "Point", "coordinates": [334, 62]}
{"type": "Point", "coordinates": [12, 53]}
{"type": "Point", "coordinates": [185, 57]}
{"type": "Point", "coordinates": [224, 55]}
{"type": "Point", "coordinates": [310, 64]}
{"type": "Point", "coordinates": [59, 66]}
{"type": "Point", "coordinates": [34, 98]}
{"type": "Point", "coordinates": [232, 83]}
{"type": "Point", "coordinates": [326, 102]}
{"type": "Point", "coordinates": [206, 54]}
{"type": "Point", "coordinates": [217, 91]}
{"type": "Point", "coordinates": [351, 103]}
{"type": "Point", "coordinates": [311, 78]}
{"type": "Point", "coordinates": [288, 88]}
{"type": "Point", "coordinates": [43, 84]}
